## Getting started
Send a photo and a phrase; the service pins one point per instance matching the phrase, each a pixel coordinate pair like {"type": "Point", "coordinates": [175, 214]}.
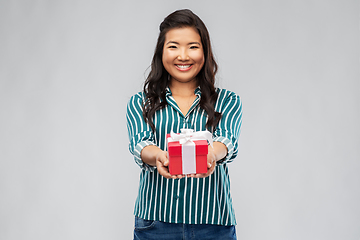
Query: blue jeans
{"type": "Point", "coordinates": [155, 230]}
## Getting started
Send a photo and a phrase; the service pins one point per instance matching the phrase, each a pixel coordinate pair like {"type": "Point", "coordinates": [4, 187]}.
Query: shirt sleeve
{"type": "Point", "coordinates": [139, 132]}
{"type": "Point", "coordinates": [228, 128]}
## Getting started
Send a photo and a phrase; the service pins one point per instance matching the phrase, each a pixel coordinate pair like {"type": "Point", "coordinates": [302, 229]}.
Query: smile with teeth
{"type": "Point", "coordinates": [183, 67]}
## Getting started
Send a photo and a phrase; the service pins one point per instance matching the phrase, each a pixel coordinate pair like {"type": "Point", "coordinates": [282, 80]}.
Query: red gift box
{"type": "Point", "coordinates": [188, 152]}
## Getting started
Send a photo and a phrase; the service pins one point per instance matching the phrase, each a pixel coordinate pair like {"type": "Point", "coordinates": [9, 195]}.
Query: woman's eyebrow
{"type": "Point", "coordinates": [172, 42]}
{"type": "Point", "coordinates": [194, 43]}
{"type": "Point", "coordinates": [190, 43]}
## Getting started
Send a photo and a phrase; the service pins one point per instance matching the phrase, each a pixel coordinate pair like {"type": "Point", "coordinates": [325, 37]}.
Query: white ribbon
{"type": "Point", "coordinates": [188, 154]}
{"type": "Point", "coordinates": [188, 135]}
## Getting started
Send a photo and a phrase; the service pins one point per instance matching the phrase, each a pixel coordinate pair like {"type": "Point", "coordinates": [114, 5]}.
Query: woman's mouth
{"type": "Point", "coordinates": [183, 67]}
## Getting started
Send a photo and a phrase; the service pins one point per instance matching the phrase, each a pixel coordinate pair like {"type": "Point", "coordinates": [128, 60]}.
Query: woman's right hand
{"type": "Point", "coordinates": [162, 163]}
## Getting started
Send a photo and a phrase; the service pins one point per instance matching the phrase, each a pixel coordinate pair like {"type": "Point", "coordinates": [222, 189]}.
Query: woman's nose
{"type": "Point", "coordinates": [183, 56]}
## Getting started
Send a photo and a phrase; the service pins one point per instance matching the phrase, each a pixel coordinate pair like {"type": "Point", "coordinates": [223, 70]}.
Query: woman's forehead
{"type": "Point", "coordinates": [184, 34]}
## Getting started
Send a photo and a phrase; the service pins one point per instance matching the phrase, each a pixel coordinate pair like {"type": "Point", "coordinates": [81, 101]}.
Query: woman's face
{"type": "Point", "coordinates": [183, 55]}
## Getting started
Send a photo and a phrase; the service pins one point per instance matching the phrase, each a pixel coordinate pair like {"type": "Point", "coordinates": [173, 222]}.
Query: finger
{"type": "Point", "coordinates": [210, 162]}
{"type": "Point", "coordinates": [164, 160]}
{"type": "Point", "coordinates": [180, 176]}
{"type": "Point", "coordinates": [208, 173]}
{"type": "Point", "coordinates": [163, 171]}
{"type": "Point", "coordinates": [212, 169]}
{"type": "Point", "coordinates": [201, 175]}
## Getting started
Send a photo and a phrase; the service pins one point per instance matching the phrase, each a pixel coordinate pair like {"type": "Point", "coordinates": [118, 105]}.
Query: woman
{"type": "Point", "coordinates": [179, 93]}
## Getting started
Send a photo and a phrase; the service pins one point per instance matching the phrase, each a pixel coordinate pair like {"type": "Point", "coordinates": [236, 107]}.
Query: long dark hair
{"type": "Point", "coordinates": [157, 80]}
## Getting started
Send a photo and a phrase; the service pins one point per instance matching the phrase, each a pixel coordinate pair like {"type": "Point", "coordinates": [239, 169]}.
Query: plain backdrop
{"type": "Point", "coordinates": [68, 68]}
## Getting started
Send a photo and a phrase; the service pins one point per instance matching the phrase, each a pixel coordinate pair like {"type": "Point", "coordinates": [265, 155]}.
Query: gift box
{"type": "Point", "coordinates": [188, 151]}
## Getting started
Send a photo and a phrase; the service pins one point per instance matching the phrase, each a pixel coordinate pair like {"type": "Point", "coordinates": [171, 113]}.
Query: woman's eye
{"type": "Point", "coordinates": [172, 46]}
{"type": "Point", "coordinates": [193, 47]}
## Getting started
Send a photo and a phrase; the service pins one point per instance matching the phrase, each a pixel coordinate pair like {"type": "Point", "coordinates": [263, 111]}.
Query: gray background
{"type": "Point", "coordinates": [68, 68]}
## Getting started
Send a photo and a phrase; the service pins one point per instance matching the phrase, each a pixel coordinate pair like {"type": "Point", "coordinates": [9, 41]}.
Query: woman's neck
{"type": "Point", "coordinates": [182, 89]}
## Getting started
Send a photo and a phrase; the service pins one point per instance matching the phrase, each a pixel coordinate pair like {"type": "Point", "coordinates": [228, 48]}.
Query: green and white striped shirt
{"type": "Point", "coordinates": [187, 200]}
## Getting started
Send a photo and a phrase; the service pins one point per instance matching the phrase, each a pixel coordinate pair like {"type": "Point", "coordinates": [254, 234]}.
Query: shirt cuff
{"type": "Point", "coordinates": [137, 155]}
{"type": "Point", "coordinates": [230, 149]}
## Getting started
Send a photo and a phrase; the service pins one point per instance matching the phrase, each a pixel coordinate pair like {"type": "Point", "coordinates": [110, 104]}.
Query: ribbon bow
{"type": "Point", "coordinates": [188, 135]}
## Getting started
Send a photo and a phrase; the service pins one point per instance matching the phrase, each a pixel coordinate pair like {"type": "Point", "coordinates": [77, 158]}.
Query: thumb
{"type": "Point", "coordinates": [166, 161]}
{"type": "Point", "coordinates": [163, 159]}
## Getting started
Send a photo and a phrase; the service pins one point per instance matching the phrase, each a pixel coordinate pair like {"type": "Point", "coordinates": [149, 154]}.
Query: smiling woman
{"type": "Point", "coordinates": [183, 58]}
{"type": "Point", "coordinates": [180, 93]}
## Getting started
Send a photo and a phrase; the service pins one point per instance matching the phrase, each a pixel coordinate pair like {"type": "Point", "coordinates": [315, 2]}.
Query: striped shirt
{"type": "Point", "coordinates": [187, 200]}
